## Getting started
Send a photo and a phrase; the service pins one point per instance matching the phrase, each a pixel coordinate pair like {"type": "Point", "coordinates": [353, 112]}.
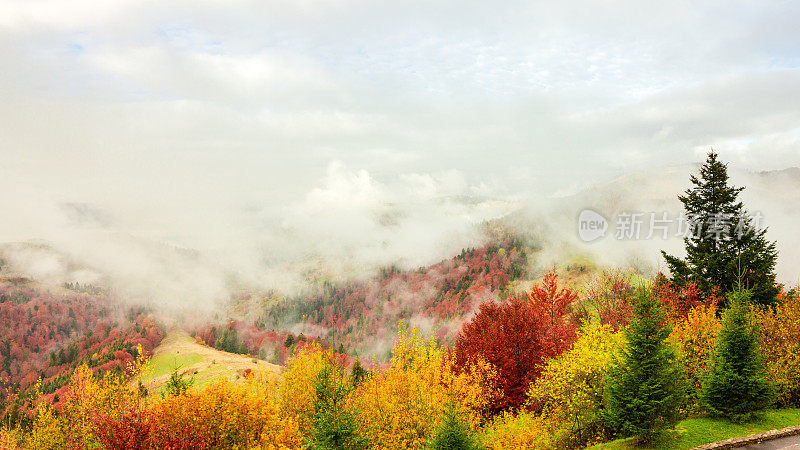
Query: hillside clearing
{"type": "Point", "coordinates": [178, 351]}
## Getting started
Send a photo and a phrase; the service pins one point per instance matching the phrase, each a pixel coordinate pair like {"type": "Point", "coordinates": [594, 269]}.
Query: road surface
{"type": "Point", "coordinates": [789, 442]}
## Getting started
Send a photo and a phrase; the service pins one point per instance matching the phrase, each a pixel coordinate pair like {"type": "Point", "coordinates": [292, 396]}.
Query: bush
{"type": "Point", "coordinates": [225, 415]}
{"type": "Point", "coordinates": [609, 297]}
{"type": "Point", "coordinates": [695, 337]}
{"type": "Point", "coordinates": [512, 431]}
{"type": "Point", "coordinates": [130, 432]}
{"type": "Point", "coordinates": [678, 301]}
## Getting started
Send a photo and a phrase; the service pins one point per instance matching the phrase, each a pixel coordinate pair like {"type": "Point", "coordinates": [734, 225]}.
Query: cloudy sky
{"type": "Point", "coordinates": [258, 98]}
{"type": "Point", "coordinates": [162, 114]}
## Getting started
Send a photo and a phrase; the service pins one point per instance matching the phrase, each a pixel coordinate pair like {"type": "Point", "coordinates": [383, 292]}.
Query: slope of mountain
{"type": "Point", "coordinates": [179, 352]}
{"type": "Point", "coordinates": [48, 331]}
{"type": "Point", "coordinates": [362, 316]}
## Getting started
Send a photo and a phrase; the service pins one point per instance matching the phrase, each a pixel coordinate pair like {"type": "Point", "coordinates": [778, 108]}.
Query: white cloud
{"type": "Point", "coordinates": [18, 14]}
{"type": "Point", "coordinates": [202, 123]}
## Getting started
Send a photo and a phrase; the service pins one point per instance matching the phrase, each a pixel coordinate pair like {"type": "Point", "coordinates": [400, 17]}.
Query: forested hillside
{"type": "Point", "coordinates": [362, 316]}
{"type": "Point", "coordinates": [49, 331]}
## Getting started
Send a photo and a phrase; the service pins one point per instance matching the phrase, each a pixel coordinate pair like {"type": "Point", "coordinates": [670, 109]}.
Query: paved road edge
{"type": "Point", "coordinates": [751, 439]}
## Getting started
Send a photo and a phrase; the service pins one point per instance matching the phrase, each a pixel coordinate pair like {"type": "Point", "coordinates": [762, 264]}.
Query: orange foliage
{"type": "Point", "coordinates": [695, 338]}
{"type": "Point", "coordinates": [401, 406]}
{"type": "Point", "coordinates": [225, 415]}
{"type": "Point", "coordinates": [780, 342]}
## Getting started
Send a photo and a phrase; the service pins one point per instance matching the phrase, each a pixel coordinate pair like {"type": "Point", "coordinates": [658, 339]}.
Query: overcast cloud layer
{"type": "Point", "coordinates": [203, 123]}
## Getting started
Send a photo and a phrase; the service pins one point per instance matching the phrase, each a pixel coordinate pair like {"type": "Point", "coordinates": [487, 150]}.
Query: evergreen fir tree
{"type": "Point", "coordinates": [358, 374]}
{"type": "Point", "coordinates": [177, 385]}
{"type": "Point", "coordinates": [334, 426]}
{"type": "Point", "coordinates": [723, 244]}
{"type": "Point", "coordinates": [454, 432]}
{"type": "Point", "coordinates": [644, 386]}
{"type": "Point", "coordinates": [736, 385]}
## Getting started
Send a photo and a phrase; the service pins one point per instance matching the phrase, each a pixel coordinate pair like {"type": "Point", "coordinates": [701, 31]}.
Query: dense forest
{"type": "Point", "coordinates": [48, 332]}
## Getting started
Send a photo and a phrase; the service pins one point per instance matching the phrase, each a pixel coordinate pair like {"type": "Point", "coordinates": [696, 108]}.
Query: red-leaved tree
{"type": "Point", "coordinates": [677, 302]}
{"type": "Point", "coordinates": [610, 295]}
{"type": "Point", "coordinates": [517, 336]}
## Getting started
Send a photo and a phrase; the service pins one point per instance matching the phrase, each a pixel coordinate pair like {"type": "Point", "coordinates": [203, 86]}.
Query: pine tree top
{"type": "Point", "coordinates": [711, 193]}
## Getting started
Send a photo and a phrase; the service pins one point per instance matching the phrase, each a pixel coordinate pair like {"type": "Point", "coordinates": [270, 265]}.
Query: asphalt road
{"type": "Point", "coordinates": [790, 442]}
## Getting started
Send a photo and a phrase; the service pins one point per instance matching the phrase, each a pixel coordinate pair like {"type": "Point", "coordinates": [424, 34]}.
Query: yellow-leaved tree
{"type": "Point", "coordinates": [297, 392]}
{"type": "Point", "coordinates": [509, 431]}
{"type": "Point", "coordinates": [569, 393]}
{"type": "Point", "coordinates": [88, 400]}
{"type": "Point", "coordinates": [695, 338]}
{"type": "Point", "coordinates": [780, 342]}
{"type": "Point", "coordinates": [402, 405]}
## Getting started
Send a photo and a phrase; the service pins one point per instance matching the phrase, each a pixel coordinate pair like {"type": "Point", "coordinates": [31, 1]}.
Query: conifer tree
{"type": "Point", "coordinates": [177, 385]}
{"type": "Point", "coordinates": [736, 385]}
{"type": "Point", "coordinates": [723, 244]}
{"type": "Point", "coordinates": [334, 426]}
{"type": "Point", "coordinates": [358, 374]}
{"type": "Point", "coordinates": [644, 386]}
{"type": "Point", "coordinates": [454, 432]}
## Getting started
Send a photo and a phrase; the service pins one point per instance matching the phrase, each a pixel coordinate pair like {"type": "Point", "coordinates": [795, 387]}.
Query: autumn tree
{"type": "Point", "coordinates": [695, 339]}
{"type": "Point", "coordinates": [517, 336]}
{"type": "Point", "coordinates": [678, 301]}
{"type": "Point", "coordinates": [569, 393]}
{"type": "Point", "coordinates": [780, 342]}
{"type": "Point", "coordinates": [723, 247]}
{"type": "Point", "coordinates": [608, 297]}
{"type": "Point", "coordinates": [401, 406]}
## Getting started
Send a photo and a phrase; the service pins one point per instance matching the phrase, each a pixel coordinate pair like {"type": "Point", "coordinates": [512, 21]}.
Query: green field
{"type": "Point", "coordinates": [166, 363]}
{"type": "Point", "coordinates": [694, 432]}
